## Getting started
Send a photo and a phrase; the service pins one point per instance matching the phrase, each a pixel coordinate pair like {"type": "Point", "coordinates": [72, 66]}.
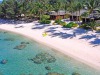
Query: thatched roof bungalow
{"type": "Point", "coordinates": [95, 15]}
{"type": "Point", "coordinates": [56, 15]}
{"type": "Point", "coordinates": [76, 15]}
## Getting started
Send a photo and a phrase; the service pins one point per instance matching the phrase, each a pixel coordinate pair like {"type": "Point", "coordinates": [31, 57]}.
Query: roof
{"type": "Point", "coordinates": [61, 12]}
{"type": "Point", "coordinates": [98, 21]}
{"type": "Point", "coordinates": [95, 14]}
{"type": "Point", "coordinates": [77, 12]}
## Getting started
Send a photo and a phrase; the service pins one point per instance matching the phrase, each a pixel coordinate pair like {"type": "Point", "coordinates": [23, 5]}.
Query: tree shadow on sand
{"type": "Point", "coordinates": [61, 35]}
{"type": "Point", "coordinates": [95, 42]}
{"type": "Point", "coordinates": [40, 26]}
{"type": "Point", "coordinates": [64, 33]}
{"type": "Point", "coordinates": [7, 21]}
{"type": "Point", "coordinates": [55, 33]}
{"type": "Point", "coordinates": [80, 31]}
{"type": "Point", "coordinates": [88, 37]}
{"type": "Point", "coordinates": [58, 33]}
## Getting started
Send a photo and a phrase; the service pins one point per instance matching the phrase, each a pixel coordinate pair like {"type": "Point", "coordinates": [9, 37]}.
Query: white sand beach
{"type": "Point", "coordinates": [77, 43]}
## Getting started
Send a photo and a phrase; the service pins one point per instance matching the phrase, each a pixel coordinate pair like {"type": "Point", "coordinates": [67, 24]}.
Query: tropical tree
{"type": "Point", "coordinates": [92, 4]}
{"type": "Point", "coordinates": [92, 25]}
{"type": "Point", "coordinates": [85, 15]}
{"type": "Point", "coordinates": [79, 7]}
{"type": "Point", "coordinates": [39, 8]}
{"type": "Point", "coordinates": [57, 6]}
{"type": "Point", "coordinates": [72, 8]}
{"type": "Point", "coordinates": [3, 9]}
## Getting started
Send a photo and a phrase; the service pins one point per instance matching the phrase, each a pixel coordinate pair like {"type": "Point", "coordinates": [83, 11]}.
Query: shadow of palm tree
{"type": "Point", "coordinates": [61, 35]}
{"type": "Point", "coordinates": [7, 21]}
{"type": "Point", "coordinates": [58, 33]}
{"type": "Point", "coordinates": [88, 37]}
{"type": "Point", "coordinates": [96, 42]}
{"type": "Point", "coordinates": [40, 26]}
{"type": "Point", "coordinates": [80, 31]}
{"type": "Point", "coordinates": [61, 32]}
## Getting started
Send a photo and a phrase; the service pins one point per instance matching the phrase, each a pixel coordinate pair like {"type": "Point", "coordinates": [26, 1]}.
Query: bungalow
{"type": "Point", "coordinates": [56, 15]}
{"type": "Point", "coordinates": [95, 15]}
{"type": "Point", "coordinates": [76, 15]}
{"type": "Point", "coordinates": [98, 27]}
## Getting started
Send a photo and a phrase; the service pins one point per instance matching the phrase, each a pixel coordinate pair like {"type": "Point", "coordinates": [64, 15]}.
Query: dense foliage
{"type": "Point", "coordinates": [45, 19]}
{"type": "Point", "coordinates": [91, 25]}
{"type": "Point", "coordinates": [70, 25]}
{"type": "Point", "coordinates": [35, 9]}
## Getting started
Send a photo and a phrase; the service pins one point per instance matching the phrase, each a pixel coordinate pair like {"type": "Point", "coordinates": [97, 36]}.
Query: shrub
{"type": "Point", "coordinates": [70, 25]}
{"type": "Point", "coordinates": [84, 26]}
{"type": "Point", "coordinates": [67, 15]}
{"type": "Point", "coordinates": [58, 21]}
{"type": "Point", "coordinates": [54, 23]}
{"type": "Point", "coordinates": [63, 23]}
{"type": "Point", "coordinates": [75, 25]}
{"type": "Point", "coordinates": [45, 21]}
{"type": "Point", "coordinates": [98, 29]}
{"type": "Point", "coordinates": [45, 17]}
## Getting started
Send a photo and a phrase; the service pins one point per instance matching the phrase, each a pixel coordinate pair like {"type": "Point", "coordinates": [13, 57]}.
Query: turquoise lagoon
{"type": "Point", "coordinates": [20, 62]}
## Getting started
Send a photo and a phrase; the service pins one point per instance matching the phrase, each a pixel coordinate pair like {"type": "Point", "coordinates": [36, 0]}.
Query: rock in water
{"type": "Point", "coordinates": [9, 39]}
{"type": "Point", "coordinates": [54, 73]}
{"type": "Point", "coordinates": [3, 61]}
{"type": "Point", "coordinates": [75, 73]}
{"type": "Point", "coordinates": [48, 68]}
{"type": "Point", "coordinates": [37, 61]}
{"type": "Point", "coordinates": [24, 42]}
{"type": "Point", "coordinates": [20, 47]}
{"type": "Point", "coordinates": [43, 57]}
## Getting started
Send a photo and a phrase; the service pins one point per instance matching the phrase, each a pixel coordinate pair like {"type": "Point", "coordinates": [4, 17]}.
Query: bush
{"type": "Point", "coordinates": [67, 15]}
{"type": "Point", "coordinates": [70, 25]}
{"type": "Point", "coordinates": [84, 26]}
{"type": "Point", "coordinates": [63, 23]}
{"type": "Point", "coordinates": [75, 25]}
{"type": "Point", "coordinates": [58, 21]}
{"type": "Point", "coordinates": [98, 29]}
{"type": "Point", "coordinates": [45, 21]}
{"type": "Point", "coordinates": [45, 17]}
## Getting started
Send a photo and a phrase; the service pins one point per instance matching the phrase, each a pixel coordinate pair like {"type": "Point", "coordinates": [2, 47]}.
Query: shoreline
{"type": "Point", "coordinates": [90, 57]}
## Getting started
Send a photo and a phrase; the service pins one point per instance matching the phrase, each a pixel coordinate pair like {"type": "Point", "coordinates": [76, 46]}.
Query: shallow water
{"type": "Point", "coordinates": [19, 61]}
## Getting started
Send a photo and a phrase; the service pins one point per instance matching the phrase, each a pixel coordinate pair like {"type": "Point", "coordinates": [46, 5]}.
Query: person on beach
{"type": "Point", "coordinates": [44, 34]}
{"type": "Point", "coordinates": [74, 34]}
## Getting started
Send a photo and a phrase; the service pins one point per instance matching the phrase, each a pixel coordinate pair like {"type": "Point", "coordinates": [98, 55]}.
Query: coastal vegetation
{"type": "Point", "coordinates": [45, 19]}
{"type": "Point", "coordinates": [29, 10]}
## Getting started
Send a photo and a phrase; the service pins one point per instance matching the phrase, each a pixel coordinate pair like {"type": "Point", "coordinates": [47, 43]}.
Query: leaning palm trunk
{"type": "Point", "coordinates": [79, 17]}
{"type": "Point", "coordinates": [40, 15]}
{"type": "Point", "coordinates": [72, 16]}
{"type": "Point", "coordinates": [85, 19]}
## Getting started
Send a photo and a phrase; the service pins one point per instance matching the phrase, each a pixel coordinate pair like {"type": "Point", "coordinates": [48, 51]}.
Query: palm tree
{"type": "Point", "coordinates": [92, 4]}
{"type": "Point", "coordinates": [66, 5]}
{"type": "Point", "coordinates": [79, 7]}
{"type": "Point", "coordinates": [85, 15]}
{"type": "Point", "coordinates": [3, 9]}
{"type": "Point", "coordinates": [39, 7]}
{"type": "Point", "coordinates": [57, 7]}
{"type": "Point", "coordinates": [72, 7]}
